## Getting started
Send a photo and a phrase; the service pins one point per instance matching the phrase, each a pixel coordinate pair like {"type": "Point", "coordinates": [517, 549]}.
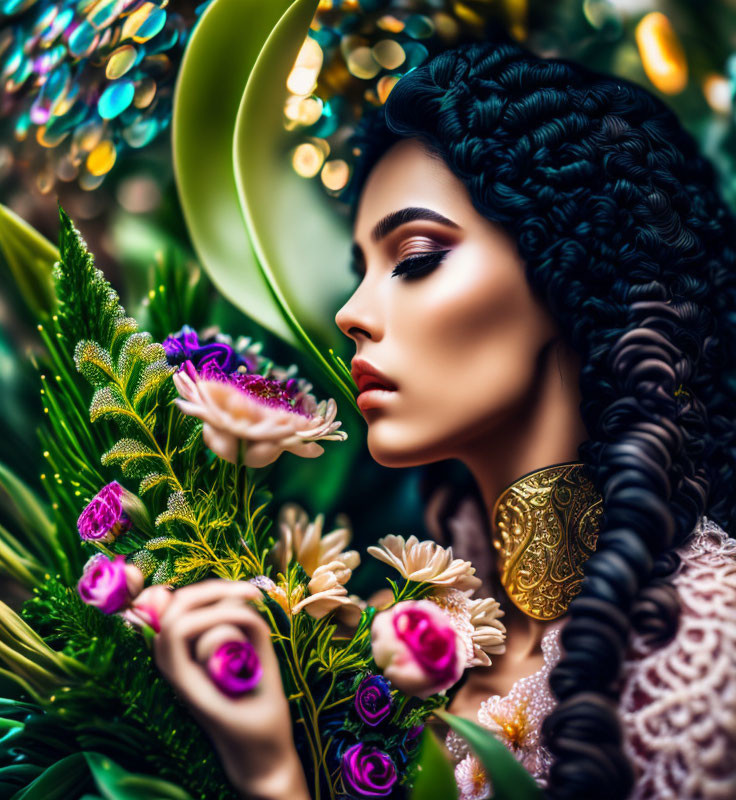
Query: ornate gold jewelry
{"type": "Point", "coordinates": [545, 528]}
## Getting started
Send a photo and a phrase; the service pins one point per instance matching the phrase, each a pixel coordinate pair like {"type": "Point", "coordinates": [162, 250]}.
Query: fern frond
{"type": "Point", "coordinates": [178, 510]}
{"type": "Point", "coordinates": [152, 379]}
{"type": "Point", "coordinates": [88, 307]}
{"type": "Point", "coordinates": [94, 362]}
{"type": "Point", "coordinates": [163, 542]}
{"type": "Point", "coordinates": [134, 458]}
{"type": "Point", "coordinates": [108, 401]}
{"type": "Point", "coordinates": [152, 480]}
{"type": "Point", "coordinates": [131, 353]}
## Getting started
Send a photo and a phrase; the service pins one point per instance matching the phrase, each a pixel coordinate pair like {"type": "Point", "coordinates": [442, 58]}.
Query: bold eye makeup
{"type": "Point", "coordinates": [419, 265]}
{"type": "Point", "coordinates": [411, 267]}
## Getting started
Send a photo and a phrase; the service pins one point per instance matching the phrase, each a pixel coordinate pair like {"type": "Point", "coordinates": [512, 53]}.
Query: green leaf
{"type": "Point", "coordinates": [152, 378]}
{"type": "Point", "coordinates": [26, 570]}
{"type": "Point", "coordinates": [237, 186]}
{"type": "Point", "coordinates": [509, 780]}
{"type": "Point", "coordinates": [28, 512]}
{"type": "Point", "coordinates": [131, 353]}
{"type": "Point", "coordinates": [435, 777]}
{"type": "Point", "coordinates": [152, 480]}
{"type": "Point", "coordinates": [178, 511]}
{"type": "Point", "coordinates": [108, 401]}
{"type": "Point", "coordinates": [203, 129]}
{"type": "Point", "coordinates": [94, 362]}
{"type": "Point", "coordinates": [133, 456]}
{"type": "Point", "coordinates": [116, 783]}
{"type": "Point", "coordinates": [30, 257]}
{"type": "Point", "coordinates": [162, 543]}
{"type": "Point", "coordinates": [89, 307]}
{"type": "Point", "coordinates": [62, 780]}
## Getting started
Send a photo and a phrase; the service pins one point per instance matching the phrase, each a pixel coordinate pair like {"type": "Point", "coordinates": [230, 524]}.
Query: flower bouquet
{"type": "Point", "coordinates": [154, 460]}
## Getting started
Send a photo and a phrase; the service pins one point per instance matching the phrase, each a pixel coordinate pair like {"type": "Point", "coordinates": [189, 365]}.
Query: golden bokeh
{"type": "Point", "coordinates": [661, 53]}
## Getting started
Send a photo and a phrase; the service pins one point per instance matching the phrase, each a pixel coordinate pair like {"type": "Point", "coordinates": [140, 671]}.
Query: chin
{"type": "Point", "coordinates": [392, 449]}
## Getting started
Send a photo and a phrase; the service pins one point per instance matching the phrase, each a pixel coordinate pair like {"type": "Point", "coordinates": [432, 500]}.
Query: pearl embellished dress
{"type": "Point", "coordinates": [678, 702]}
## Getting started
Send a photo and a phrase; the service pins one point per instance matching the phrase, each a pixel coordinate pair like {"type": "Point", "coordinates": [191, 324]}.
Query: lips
{"type": "Point", "coordinates": [368, 377]}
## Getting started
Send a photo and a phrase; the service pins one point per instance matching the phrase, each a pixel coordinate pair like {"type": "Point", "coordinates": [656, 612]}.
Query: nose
{"type": "Point", "coordinates": [358, 318]}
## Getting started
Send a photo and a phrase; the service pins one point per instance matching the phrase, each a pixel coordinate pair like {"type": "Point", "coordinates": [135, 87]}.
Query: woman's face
{"type": "Point", "coordinates": [459, 337]}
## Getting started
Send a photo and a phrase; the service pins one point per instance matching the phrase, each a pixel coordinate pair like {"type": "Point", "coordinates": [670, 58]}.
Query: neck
{"type": "Point", "coordinates": [545, 429]}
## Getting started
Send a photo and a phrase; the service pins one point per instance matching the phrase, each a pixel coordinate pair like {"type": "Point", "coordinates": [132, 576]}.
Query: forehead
{"type": "Point", "coordinates": [407, 175]}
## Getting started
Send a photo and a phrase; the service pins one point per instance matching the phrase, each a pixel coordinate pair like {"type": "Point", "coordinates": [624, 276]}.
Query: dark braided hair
{"type": "Point", "coordinates": [628, 242]}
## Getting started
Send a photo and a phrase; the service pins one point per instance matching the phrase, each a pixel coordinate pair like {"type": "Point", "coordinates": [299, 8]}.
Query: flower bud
{"type": "Point", "coordinates": [109, 585]}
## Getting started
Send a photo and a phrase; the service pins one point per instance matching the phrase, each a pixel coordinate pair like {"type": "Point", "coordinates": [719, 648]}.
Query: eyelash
{"type": "Point", "coordinates": [416, 266]}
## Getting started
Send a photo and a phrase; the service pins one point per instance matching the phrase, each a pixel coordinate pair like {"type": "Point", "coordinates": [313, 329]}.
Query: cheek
{"type": "Point", "coordinates": [471, 338]}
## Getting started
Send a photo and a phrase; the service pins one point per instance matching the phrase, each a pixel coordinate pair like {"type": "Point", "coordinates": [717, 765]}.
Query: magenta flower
{"type": "Point", "coordinates": [368, 772]}
{"type": "Point", "coordinates": [253, 416]}
{"type": "Point", "coordinates": [235, 667]}
{"type": "Point", "coordinates": [109, 585]}
{"type": "Point", "coordinates": [417, 648]}
{"type": "Point", "coordinates": [373, 700]}
{"type": "Point", "coordinates": [104, 518]}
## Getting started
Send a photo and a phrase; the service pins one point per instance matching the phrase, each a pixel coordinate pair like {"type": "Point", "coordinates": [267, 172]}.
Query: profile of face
{"type": "Point", "coordinates": [443, 312]}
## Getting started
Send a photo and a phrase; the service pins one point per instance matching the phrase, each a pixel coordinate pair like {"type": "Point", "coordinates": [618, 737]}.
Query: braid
{"type": "Point", "coordinates": [628, 243]}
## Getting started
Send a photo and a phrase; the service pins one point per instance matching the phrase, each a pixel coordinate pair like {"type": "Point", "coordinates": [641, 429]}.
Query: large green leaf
{"type": "Point", "coordinates": [509, 780]}
{"type": "Point", "coordinates": [29, 514]}
{"type": "Point", "coordinates": [30, 257]}
{"type": "Point", "coordinates": [62, 780]}
{"type": "Point", "coordinates": [221, 53]}
{"type": "Point", "coordinates": [270, 240]}
{"type": "Point", "coordinates": [435, 779]}
{"type": "Point", "coordinates": [116, 783]}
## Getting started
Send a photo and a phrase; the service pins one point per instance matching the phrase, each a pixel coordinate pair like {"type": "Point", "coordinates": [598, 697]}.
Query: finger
{"type": "Point", "coordinates": [214, 638]}
{"type": "Point", "coordinates": [175, 642]}
{"type": "Point", "coordinates": [207, 592]}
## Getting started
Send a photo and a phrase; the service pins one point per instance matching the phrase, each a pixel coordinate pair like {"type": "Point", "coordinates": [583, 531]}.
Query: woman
{"type": "Point", "coordinates": [548, 276]}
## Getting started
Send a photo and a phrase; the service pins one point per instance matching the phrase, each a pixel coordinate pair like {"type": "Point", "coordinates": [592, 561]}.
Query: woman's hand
{"type": "Point", "coordinates": [252, 733]}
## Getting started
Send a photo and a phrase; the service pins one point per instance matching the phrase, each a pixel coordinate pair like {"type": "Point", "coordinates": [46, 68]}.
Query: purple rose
{"type": "Point", "coordinates": [185, 346]}
{"type": "Point", "coordinates": [108, 585]}
{"type": "Point", "coordinates": [368, 772]}
{"type": "Point", "coordinates": [373, 700]}
{"type": "Point", "coordinates": [104, 518]}
{"type": "Point", "coordinates": [235, 667]}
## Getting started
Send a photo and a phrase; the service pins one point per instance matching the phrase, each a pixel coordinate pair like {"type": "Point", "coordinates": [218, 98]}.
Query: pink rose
{"type": "Point", "coordinates": [149, 606]}
{"type": "Point", "coordinates": [104, 518]}
{"type": "Point", "coordinates": [417, 648]}
{"type": "Point", "coordinates": [109, 585]}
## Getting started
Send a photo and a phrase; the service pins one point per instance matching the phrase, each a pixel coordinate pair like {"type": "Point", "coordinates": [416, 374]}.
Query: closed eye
{"type": "Point", "coordinates": [419, 265]}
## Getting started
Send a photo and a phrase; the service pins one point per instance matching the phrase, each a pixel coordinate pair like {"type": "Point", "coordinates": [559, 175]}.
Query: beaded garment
{"type": "Point", "coordinates": [678, 702]}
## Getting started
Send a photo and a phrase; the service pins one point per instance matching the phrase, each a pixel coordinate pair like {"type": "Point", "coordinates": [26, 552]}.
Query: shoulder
{"type": "Point", "coordinates": [678, 702]}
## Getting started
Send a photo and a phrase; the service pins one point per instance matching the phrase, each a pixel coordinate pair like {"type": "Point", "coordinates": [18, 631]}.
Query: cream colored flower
{"type": "Point", "coordinates": [457, 607]}
{"type": "Point", "coordinates": [425, 562]}
{"type": "Point", "coordinates": [327, 593]}
{"type": "Point", "coordinates": [518, 725]}
{"type": "Point", "coordinates": [489, 633]}
{"type": "Point", "coordinates": [472, 780]}
{"type": "Point", "coordinates": [477, 623]}
{"type": "Point", "coordinates": [247, 413]}
{"type": "Point", "coordinates": [303, 540]}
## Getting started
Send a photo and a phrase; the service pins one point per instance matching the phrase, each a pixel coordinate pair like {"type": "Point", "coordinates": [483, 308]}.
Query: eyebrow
{"type": "Point", "coordinates": [392, 221]}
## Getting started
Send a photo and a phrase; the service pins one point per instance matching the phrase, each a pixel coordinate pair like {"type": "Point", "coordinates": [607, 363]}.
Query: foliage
{"type": "Point", "coordinates": [87, 714]}
{"type": "Point", "coordinates": [510, 780]}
